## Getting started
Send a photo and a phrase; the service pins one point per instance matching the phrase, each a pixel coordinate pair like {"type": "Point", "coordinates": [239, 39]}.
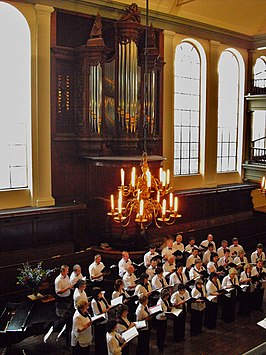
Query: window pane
{"type": "Point", "coordinates": [186, 105]}
{"type": "Point", "coordinates": [228, 103]}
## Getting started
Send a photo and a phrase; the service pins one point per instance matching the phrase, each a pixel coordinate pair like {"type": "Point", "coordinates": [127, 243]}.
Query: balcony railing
{"type": "Point", "coordinates": [258, 87]}
{"type": "Point", "coordinates": [258, 151]}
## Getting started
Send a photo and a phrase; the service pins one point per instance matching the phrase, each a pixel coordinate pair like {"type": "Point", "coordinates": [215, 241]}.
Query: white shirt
{"type": "Point", "coordinates": [205, 244]}
{"type": "Point", "coordinates": [167, 267]}
{"type": "Point", "coordinates": [116, 294]}
{"type": "Point", "coordinates": [77, 296]}
{"type": "Point", "coordinates": [235, 249]}
{"type": "Point", "coordinates": [164, 305]}
{"type": "Point", "coordinates": [95, 270]}
{"type": "Point", "coordinates": [206, 257]}
{"type": "Point", "coordinates": [84, 337]}
{"type": "Point", "coordinates": [74, 278]}
{"type": "Point", "coordinates": [195, 293]}
{"type": "Point", "coordinates": [129, 280]}
{"type": "Point", "coordinates": [148, 256]}
{"type": "Point", "coordinates": [166, 252]}
{"type": "Point", "coordinates": [191, 260]}
{"type": "Point", "coordinates": [254, 257]}
{"type": "Point", "coordinates": [237, 260]}
{"type": "Point", "coordinates": [223, 262]}
{"type": "Point", "coordinates": [141, 313]}
{"type": "Point", "coordinates": [150, 272]}
{"type": "Point", "coordinates": [177, 297]}
{"type": "Point", "coordinates": [220, 252]}
{"type": "Point", "coordinates": [157, 283]}
{"type": "Point", "coordinates": [194, 273]}
{"type": "Point", "coordinates": [140, 289]}
{"type": "Point", "coordinates": [189, 247]}
{"type": "Point", "coordinates": [113, 343]}
{"type": "Point", "coordinates": [176, 279]}
{"type": "Point", "coordinates": [212, 288]}
{"type": "Point", "coordinates": [60, 283]}
{"type": "Point", "coordinates": [122, 265]}
{"type": "Point", "coordinates": [94, 306]}
{"type": "Point", "coordinates": [227, 282]}
{"type": "Point", "coordinates": [179, 246]}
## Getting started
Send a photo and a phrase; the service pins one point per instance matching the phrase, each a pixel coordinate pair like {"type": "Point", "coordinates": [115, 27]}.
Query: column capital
{"type": "Point", "coordinates": [43, 9]}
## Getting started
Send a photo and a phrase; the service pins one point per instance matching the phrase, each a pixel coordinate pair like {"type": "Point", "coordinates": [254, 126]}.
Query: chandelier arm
{"type": "Point", "coordinates": [170, 223]}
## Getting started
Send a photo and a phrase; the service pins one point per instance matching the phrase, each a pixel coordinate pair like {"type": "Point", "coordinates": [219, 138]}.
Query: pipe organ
{"type": "Point", "coordinates": [111, 89]}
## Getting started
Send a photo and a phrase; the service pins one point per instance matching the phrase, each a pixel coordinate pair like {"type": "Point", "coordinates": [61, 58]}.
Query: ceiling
{"type": "Point", "coordinates": [243, 16]}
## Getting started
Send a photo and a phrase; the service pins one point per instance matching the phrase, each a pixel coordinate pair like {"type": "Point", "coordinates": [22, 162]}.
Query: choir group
{"type": "Point", "coordinates": [163, 288]}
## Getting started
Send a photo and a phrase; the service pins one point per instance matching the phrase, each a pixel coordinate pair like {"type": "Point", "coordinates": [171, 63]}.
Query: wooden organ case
{"type": "Point", "coordinates": [98, 102]}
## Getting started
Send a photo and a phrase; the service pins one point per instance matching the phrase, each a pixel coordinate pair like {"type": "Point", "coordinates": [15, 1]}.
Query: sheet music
{"type": "Point", "coordinates": [155, 309]}
{"type": "Point", "coordinates": [130, 334]}
{"type": "Point", "coordinates": [210, 297]}
{"type": "Point", "coordinates": [98, 317]}
{"type": "Point", "coordinates": [262, 323]}
{"type": "Point", "coordinates": [176, 312]}
{"type": "Point", "coordinates": [116, 301]}
{"type": "Point", "coordinates": [140, 324]}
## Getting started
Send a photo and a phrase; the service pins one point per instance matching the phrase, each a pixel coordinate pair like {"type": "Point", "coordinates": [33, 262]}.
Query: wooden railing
{"type": "Point", "coordinates": [258, 151]}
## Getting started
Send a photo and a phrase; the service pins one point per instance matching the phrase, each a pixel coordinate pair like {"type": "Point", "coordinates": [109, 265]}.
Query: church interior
{"type": "Point", "coordinates": [124, 124]}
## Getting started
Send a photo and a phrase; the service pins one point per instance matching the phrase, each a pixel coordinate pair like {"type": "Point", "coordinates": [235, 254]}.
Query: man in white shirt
{"type": "Point", "coordinates": [149, 255]}
{"type": "Point", "coordinates": [222, 248]}
{"type": "Point", "coordinates": [76, 274]}
{"type": "Point", "coordinates": [235, 248]}
{"type": "Point", "coordinates": [96, 268]}
{"type": "Point", "coordinates": [191, 259]}
{"type": "Point", "coordinates": [258, 254]}
{"type": "Point", "coordinates": [169, 265]}
{"type": "Point", "coordinates": [169, 249]}
{"type": "Point", "coordinates": [207, 255]}
{"type": "Point", "coordinates": [151, 269]}
{"type": "Point", "coordinates": [62, 283]}
{"type": "Point", "coordinates": [130, 279]}
{"type": "Point", "coordinates": [123, 263]}
{"type": "Point", "coordinates": [204, 244]}
{"type": "Point", "coordinates": [191, 244]}
{"type": "Point", "coordinates": [178, 245]}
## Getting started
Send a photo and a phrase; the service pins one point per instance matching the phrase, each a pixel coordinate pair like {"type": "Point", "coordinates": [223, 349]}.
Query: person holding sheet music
{"type": "Point", "coordinates": [191, 245]}
{"type": "Point", "coordinates": [245, 297]}
{"type": "Point", "coordinates": [161, 320]}
{"type": "Point", "coordinates": [205, 243]}
{"type": "Point", "coordinates": [169, 265]}
{"type": "Point", "coordinates": [158, 281]}
{"type": "Point", "coordinates": [130, 279]}
{"type": "Point", "coordinates": [113, 339]}
{"type": "Point", "coordinates": [178, 277]}
{"type": "Point", "coordinates": [81, 335]}
{"type": "Point", "coordinates": [123, 263]}
{"type": "Point", "coordinates": [235, 247]}
{"type": "Point", "coordinates": [123, 323]}
{"type": "Point", "coordinates": [99, 305]}
{"type": "Point", "coordinates": [178, 300]}
{"type": "Point", "coordinates": [119, 290]}
{"type": "Point", "coordinates": [258, 254]}
{"type": "Point", "coordinates": [240, 260]}
{"type": "Point", "coordinates": [151, 269]}
{"type": "Point", "coordinates": [191, 259]}
{"type": "Point", "coordinates": [79, 293]}
{"type": "Point", "coordinates": [225, 260]}
{"type": "Point", "coordinates": [222, 248]}
{"type": "Point", "coordinates": [230, 282]}
{"type": "Point", "coordinates": [178, 245]}
{"type": "Point", "coordinates": [169, 249]}
{"type": "Point", "coordinates": [198, 306]}
{"type": "Point", "coordinates": [213, 286]}
{"type": "Point", "coordinates": [96, 270]}
{"type": "Point", "coordinates": [197, 270]}
{"type": "Point", "coordinates": [207, 254]}
{"type": "Point", "coordinates": [258, 274]}
{"type": "Point", "coordinates": [149, 255]}
{"type": "Point", "coordinates": [212, 265]}
{"type": "Point", "coordinates": [143, 287]}
{"type": "Point", "coordinates": [76, 274]}
{"type": "Point", "coordinates": [142, 313]}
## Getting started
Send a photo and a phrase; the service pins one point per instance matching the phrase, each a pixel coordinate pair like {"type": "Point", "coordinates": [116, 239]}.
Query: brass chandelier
{"type": "Point", "coordinates": [263, 186]}
{"type": "Point", "coordinates": [146, 198]}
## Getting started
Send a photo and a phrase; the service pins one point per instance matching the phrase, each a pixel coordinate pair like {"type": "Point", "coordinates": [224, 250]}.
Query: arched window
{"type": "Point", "coordinates": [187, 105]}
{"type": "Point", "coordinates": [260, 73]}
{"type": "Point", "coordinates": [230, 106]}
{"type": "Point", "coordinates": [15, 108]}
